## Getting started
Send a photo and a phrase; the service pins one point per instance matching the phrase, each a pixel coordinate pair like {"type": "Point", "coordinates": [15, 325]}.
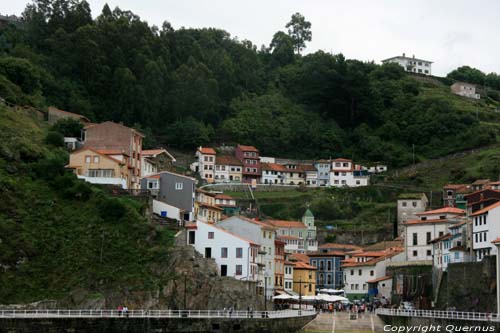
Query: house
{"type": "Point", "coordinates": [260, 233]}
{"type": "Point", "coordinates": [451, 247]}
{"type": "Point", "coordinates": [343, 174]}
{"type": "Point", "coordinates": [156, 160]}
{"type": "Point", "coordinates": [205, 208]}
{"type": "Point", "coordinates": [106, 167]}
{"type": "Point", "coordinates": [295, 174]}
{"type": "Point", "coordinates": [412, 65]}
{"type": "Point", "coordinates": [206, 163]}
{"type": "Point", "coordinates": [428, 226]}
{"type": "Point", "coordinates": [249, 157]}
{"type": "Point", "coordinates": [454, 195]}
{"type": "Point", "coordinates": [273, 173]}
{"type": "Point", "coordinates": [228, 169]}
{"type": "Point", "coordinates": [227, 203]}
{"type": "Point", "coordinates": [367, 268]}
{"type": "Point", "coordinates": [289, 277]}
{"type": "Point", "coordinates": [408, 205]}
{"type": "Point", "coordinates": [323, 167]}
{"type": "Point", "coordinates": [465, 89]}
{"type": "Point", "coordinates": [329, 270]}
{"type": "Point", "coordinates": [235, 256]}
{"type": "Point", "coordinates": [495, 185]}
{"type": "Point", "coordinates": [174, 195]}
{"type": "Point", "coordinates": [279, 266]}
{"type": "Point", "coordinates": [311, 175]}
{"type": "Point", "coordinates": [304, 279]}
{"type": "Point", "coordinates": [480, 184]}
{"type": "Point", "coordinates": [485, 229]}
{"type": "Point", "coordinates": [54, 114]}
{"type": "Point", "coordinates": [377, 168]}
{"type": "Point", "coordinates": [311, 242]}
{"type": "Point", "coordinates": [117, 137]}
{"type": "Point", "coordinates": [481, 199]}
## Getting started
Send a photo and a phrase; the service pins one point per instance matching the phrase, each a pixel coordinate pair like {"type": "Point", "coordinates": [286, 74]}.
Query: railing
{"type": "Point", "coordinates": [153, 314]}
{"type": "Point", "coordinates": [473, 316]}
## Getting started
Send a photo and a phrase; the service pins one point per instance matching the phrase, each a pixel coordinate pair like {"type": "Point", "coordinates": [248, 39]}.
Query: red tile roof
{"type": "Point", "coordinates": [223, 196]}
{"type": "Point", "coordinates": [496, 240]}
{"type": "Point", "coordinates": [248, 148]}
{"type": "Point", "coordinates": [383, 278]}
{"type": "Point", "coordinates": [227, 160]}
{"type": "Point", "coordinates": [412, 222]}
{"type": "Point", "coordinates": [303, 265]}
{"type": "Point", "coordinates": [207, 151]}
{"type": "Point", "coordinates": [440, 238]}
{"type": "Point", "coordinates": [342, 160]}
{"type": "Point", "coordinates": [372, 262]}
{"type": "Point", "coordinates": [444, 210]}
{"type": "Point", "coordinates": [487, 209]}
{"type": "Point", "coordinates": [273, 167]}
{"type": "Point", "coordinates": [287, 224]}
{"type": "Point", "coordinates": [299, 257]}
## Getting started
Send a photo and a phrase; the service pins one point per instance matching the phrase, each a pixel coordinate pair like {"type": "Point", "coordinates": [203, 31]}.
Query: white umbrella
{"type": "Point", "coordinates": [283, 297]}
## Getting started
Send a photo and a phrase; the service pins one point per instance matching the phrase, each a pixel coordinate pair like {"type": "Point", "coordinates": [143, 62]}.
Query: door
{"type": "Point", "coordinates": [192, 235]}
{"type": "Point", "coordinates": [208, 252]}
{"type": "Point", "coordinates": [223, 270]}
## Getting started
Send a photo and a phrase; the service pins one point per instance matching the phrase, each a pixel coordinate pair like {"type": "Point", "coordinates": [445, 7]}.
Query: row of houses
{"type": "Point", "coordinates": [243, 164]}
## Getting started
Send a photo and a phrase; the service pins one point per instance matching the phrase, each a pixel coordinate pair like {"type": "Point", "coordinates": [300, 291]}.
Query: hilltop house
{"type": "Point", "coordinates": [273, 173]}
{"type": "Point", "coordinates": [249, 157]}
{"type": "Point", "coordinates": [111, 136]}
{"type": "Point", "coordinates": [343, 173]}
{"type": "Point", "coordinates": [454, 195]}
{"type": "Point", "coordinates": [465, 89]}
{"type": "Point", "coordinates": [109, 167]}
{"type": "Point", "coordinates": [228, 169]}
{"type": "Point", "coordinates": [235, 256]}
{"type": "Point", "coordinates": [173, 195]}
{"type": "Point", "coordinates": [323, 167]}
{"type": "Point", "coordinates": [206, 163]}
{"type": "Point", "coordinates": [412, 65]}
{"type": "Point", "coordinates": [428, 226]}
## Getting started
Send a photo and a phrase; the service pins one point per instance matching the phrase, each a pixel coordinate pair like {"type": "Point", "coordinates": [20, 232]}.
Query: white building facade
{"type": "Point", "coordinates": [206, 163]}
{"type": "Point", "coordinates": [485, 229]}
{"type": "Point", "coordinates": [412, 65]}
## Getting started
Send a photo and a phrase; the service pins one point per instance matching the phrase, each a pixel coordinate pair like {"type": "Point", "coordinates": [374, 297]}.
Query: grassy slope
{"type": "Point", "coordinates": [58, 234]}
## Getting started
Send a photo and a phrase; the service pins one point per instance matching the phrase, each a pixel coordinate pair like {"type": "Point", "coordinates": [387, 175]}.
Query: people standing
{"type": "Point", "coordinates": [120, 309]}
{"type": "Point", "coordinates": [125, 311]}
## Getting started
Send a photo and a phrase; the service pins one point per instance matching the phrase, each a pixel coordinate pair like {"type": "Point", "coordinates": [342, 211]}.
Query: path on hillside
{"type": "Point", "coordinates": [340, 323]}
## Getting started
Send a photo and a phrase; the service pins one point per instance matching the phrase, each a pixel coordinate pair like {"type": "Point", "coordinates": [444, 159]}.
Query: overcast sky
{"type": "Point", "coordinates": [450, 33]}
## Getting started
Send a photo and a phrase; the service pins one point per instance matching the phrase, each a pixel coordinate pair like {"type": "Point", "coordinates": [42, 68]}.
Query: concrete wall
{"type": "Point", "coordinates": [110, 325]}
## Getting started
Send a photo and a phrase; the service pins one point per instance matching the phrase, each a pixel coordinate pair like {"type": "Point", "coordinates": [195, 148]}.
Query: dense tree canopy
{"type": "Point", "coordinates": [188, 87]}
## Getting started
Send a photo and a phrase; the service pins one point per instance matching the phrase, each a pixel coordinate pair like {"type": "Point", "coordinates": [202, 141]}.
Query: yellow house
{"type": "Point", "coordinates": [109, 167]}
{"type": "Point", "coordinates": [205, 208]}
{"type": "Point", "coordinates": [304, 279]}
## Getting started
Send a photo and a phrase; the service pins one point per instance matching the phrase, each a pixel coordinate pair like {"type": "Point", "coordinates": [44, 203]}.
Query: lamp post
{"type": "Point", "coordinates": [185, 289]}
{"type": "Point", "coordinates": [265, 292]}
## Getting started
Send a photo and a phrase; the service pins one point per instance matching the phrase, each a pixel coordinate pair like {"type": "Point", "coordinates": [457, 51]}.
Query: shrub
{"type": "Point", "coordinates": [55, 139]}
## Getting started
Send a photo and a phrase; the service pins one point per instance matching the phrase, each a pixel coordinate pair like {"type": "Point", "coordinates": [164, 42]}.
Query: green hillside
{"type": "Point", "coordinates": [57, 233]}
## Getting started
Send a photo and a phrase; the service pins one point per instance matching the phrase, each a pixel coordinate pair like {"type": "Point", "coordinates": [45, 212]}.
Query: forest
{"type": "Point", "coordinates": [189, 87]}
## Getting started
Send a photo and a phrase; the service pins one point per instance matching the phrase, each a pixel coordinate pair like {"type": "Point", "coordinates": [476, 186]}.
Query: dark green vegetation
{"type": "Point", "coordinates": [58, 233]}
{"type": "Point", "coordinates": [200, 86]}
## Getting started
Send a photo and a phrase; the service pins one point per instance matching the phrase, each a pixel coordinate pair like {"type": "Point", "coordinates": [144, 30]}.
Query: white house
{"type": "Point", "coordinates": [343, 173]}
{"type": "Point", "coordinates": [412, 65]}
{"type": "Point", "coordinates": [465, 89]}
{"type": "Point", "coordinates": [311, 174]}
{"type": "Point", "coordinates": [260, 233]}
{"type": "Point", "coordinates": [428, 226]}
{"type": "Point", "coordinates": [206, 163]}
{"type": "Point", "coordinates": [228, 169]}
{"type": "Point", "coordinates": [485, 229]}
{"type": "Point", "coordinates": [273, 173]}
{"type": "Point", "coordinates": [289, 277]}
{"type": "Point", "coordinates": [368, 267]}
{"type": "Point", "coordinates": [234, 255]}
{"type": "Point", "coordinates": [451, 247]}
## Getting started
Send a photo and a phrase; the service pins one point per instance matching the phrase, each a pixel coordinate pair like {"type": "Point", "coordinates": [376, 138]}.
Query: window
{"type": "Point", "coordinates": [87, 159]}
{"type": "Point", "coordinates": [415, 253]}
{"type": "Point", "coordinates": [441, 233]}
{"type": "Point", "coordinates": [360, 272]}
{"type": "Point", "coordinates": [210, 235]}
{"type": "Point", "coordinates": [223, 252]}
{"type": "Point", "coordinates": [178, 186]}
{"type": "Point", "coordinates": [371, 273]}
{"type": "Point", "coordinates": [352, 271]}
{"type": "Point", "coordinates": [429, 253]}
{"type": "Point", "coordinates": [96, 159]}
{"type": "Point", "coordinates": [428, 237]}
{"type": "Point", "coordinates": [239, 252]}
{"type": "Point", "coordinates": [414, 204]}
{"type": "Point", "coordinates": [415, 238]}
{"type": "Point", "coordinates": [239, 269]}
{"type": "Point", "coordinates": [403, 204]}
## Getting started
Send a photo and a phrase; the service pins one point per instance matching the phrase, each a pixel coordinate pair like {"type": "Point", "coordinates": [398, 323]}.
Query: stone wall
{"type": "Point", "coordinates": [111, 325]}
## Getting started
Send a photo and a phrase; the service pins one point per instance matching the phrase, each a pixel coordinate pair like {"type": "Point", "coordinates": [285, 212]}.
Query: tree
{"type": "Point", "coordinates": [300, 31]}
{"type": "Point", "coordinates": [281, 48]}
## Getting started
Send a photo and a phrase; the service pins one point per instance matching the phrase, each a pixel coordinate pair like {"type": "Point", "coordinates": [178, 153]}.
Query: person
{"type": "Point", "coordinates": [120, 309]}
{"type": "Point", "coordinates": [125, 311]}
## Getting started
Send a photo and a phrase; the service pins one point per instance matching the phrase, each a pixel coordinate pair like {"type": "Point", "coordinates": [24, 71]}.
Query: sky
{"type": "Point", "coordinates": [451, 33]}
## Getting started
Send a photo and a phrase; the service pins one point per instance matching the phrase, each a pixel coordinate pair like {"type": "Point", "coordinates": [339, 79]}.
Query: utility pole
{"type": "Point", "coordinates": [185, 286]}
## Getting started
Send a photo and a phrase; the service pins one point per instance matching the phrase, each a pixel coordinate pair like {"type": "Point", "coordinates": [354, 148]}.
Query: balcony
{"type": "Point", "coordinates": [105, 181]}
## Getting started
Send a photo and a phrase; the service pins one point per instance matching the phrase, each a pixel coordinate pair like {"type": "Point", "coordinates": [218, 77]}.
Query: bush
{"type": "Point", "coordinates": [68, 127]}
{"type": "Point", "coordinates": [111, 209]}
{"type": "Point", "coordinates": [55, 139]}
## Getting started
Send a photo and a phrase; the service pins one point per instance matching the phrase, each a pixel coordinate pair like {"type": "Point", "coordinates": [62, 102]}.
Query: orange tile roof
{"type": "Point", "coordinates": [383, 278]}
{"type": "Point", "coordinates": [372, 262]}
{"type": "Point", "coordinates": [370, 254]}
{"type": "Point", "coordinates": [454, 186]}
{"type": "Point", "coordinates": [150, 152]}
{"type": "Point", "coordinates": [307, 167]}
{"type": "Point", "coordinates": [223, 196]}
{"type": "Point", "coordinates": [111, 152]}
{"type": "Point", "coordinates": [486, 209]}
{"type": "Point", "coordinates": [301, 257]}
{"type": "Point", "coordinates": [481, 182]}
{"type": "Point", "coordinates": [97, 152]}
{"type": "Point", "coordinates": [440, 238]}
{"type": "Point", "coordinates": [496, 240]}
{"type": "Point", "coordinates": [287, 224]}
{"type": "Point", "coordinates": [274, 167]}
{"type": "Point", "coordinates": [445, 210]}
{"type": "Point", "coordinates": [303, 265]}
{"type": "Point", "coordinates": [456, 225]}
{"type": "Point", "coordinates": [227, 160]}
{"type": "Point", "coordinates": [210, 206]}
{"type": "Point", "coordinates": [342, 160]}
{"type": "Point", "coordinates": [412, 222]}
{"type": "Point", "coordinates": [248, 148]}
{"type": "Point", "coordinates": [207, 151]}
